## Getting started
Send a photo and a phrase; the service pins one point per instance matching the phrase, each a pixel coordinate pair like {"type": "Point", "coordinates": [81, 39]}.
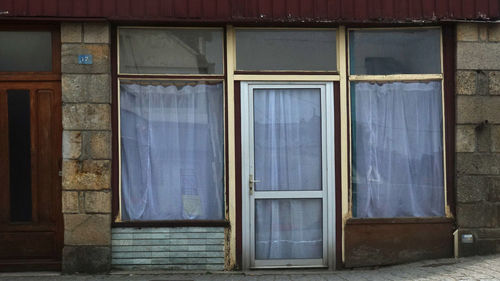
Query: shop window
{"type": "Point", "coordinates": [396, 123]}
{"type": "Point", "coordinates": [171, 129]}
{"type": "Point", "coordinates": [286, 49]}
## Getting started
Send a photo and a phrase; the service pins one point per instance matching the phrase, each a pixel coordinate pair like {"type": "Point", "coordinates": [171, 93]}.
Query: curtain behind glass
{"type": "Point", "coordinates": [288, 229]}
{"type": "Point", "coordinates": [287, 139]}
{"type": "Point", "coordinates": [171, 151]}
{"type": "Point", "coordinates": [287, 150]}
{"type": "Point", "coordinates": [397, 150]}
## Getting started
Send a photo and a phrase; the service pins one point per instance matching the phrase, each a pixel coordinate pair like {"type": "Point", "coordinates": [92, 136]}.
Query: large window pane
{"type": "Point", "coordinates": [380, 52]}
{"type": "Point", "coordinates": [268, 49]}
{"type": "Point", "coordinates": [177, 51]}
{"type": "Point", "coordinates": [397, 153]}
{"type": "Point", "coordinates": [25, 51]}
{"type": "Point", "coordinates": [287, 139]}
{"type": "Point", "coordinates": [288, 229]}
{"type": "Point", "coordinates": [172, 143]}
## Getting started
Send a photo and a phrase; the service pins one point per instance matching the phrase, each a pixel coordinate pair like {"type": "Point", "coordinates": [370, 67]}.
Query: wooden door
{"type": "Point", "coordinates": [31, 224]}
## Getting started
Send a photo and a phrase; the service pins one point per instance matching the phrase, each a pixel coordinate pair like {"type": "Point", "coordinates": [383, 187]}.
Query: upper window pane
{"type": "Point", "coordinates": [25, 51]}
{"type": "Point", "coordinates": [381, 52]}
{"type": "Point", "coordinates": [275, 49]}
{"type": "Point", "coordinates": [171, 51]}
{"type": "Point", "coordinates": [287, 139]}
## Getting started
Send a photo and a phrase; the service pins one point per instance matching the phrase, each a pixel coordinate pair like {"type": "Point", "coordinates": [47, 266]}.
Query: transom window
{"type": "Point", "coordinates": [286, 49]}
{"type": "Point", "coordinates": [188, 51]}
{"type": "Point", "coordinates": [395, 51]}
{"type": "Point", "coordinates": [25, 51]}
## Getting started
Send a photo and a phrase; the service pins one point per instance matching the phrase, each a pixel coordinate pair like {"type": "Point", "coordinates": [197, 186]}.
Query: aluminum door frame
{"type": "Point", "coordinates": [328, 177]}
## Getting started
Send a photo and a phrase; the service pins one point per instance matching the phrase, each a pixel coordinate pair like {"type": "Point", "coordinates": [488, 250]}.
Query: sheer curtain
{"type": "Point", "coordinates": [397, 150]}
{"type": "Point", "coordinates": [171, 151]}
{"type": "Point", "coordinates": [287, 156]}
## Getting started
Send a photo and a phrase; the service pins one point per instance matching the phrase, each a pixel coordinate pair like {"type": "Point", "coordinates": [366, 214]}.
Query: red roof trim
{"type": "Point", "coordinates": [237, 11]}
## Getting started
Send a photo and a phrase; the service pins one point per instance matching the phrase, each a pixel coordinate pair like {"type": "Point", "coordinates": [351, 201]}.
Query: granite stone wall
{"type": "Point", "coordinates": [478, 137]}
{"type": "Point", "coordinates": [86, 173]}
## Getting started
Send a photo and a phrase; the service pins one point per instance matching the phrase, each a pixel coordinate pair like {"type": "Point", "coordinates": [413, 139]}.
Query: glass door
{"type": "Point", "coordinates": [286, 154]}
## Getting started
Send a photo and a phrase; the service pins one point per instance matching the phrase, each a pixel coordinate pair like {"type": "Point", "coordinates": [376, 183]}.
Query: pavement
{"type": "Point", "coordinates": [471, 268]}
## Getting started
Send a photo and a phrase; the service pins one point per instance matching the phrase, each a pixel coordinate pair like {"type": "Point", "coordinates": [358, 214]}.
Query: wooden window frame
{"type": "Point", "coordinates": [51, 80]}
{"type": "Point", "coordinates": [232, 136]}
{"type": "Point", "coordinates": [116, 165]}
{"type": "Point", "coordinates": [417, 237]}
{"type": "Point", "coordinates": [55, 73]}
{"type": "Point", "coordinates": [446, 77]}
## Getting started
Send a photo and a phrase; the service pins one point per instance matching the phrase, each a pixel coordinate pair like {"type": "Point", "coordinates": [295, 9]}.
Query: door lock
{"type": "Point", "coordinates": [251, 183]}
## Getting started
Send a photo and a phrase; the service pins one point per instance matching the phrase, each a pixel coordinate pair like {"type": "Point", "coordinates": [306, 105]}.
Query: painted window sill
{"type": "Point", "coordinates": [419, 220]}
{"type": "Point", "coordinates": [173, 223]}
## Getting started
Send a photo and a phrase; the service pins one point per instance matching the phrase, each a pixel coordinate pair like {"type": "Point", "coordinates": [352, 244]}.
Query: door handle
{"type": "Point", "coordinates": [251, 183]}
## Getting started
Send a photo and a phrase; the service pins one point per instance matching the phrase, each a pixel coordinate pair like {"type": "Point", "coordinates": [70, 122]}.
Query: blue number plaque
{"type": "Point", "coordinates": [84, 59]}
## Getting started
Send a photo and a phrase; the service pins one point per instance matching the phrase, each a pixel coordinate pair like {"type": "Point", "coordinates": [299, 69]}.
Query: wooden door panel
{"type": "Point", "coordinates": [18, 245]}
{"type": "Point", "coordinates": [32, 243]}
{"type": "Point", "coordinates": [46, 170]}
{"type": "Point", "coordinates": [25, 227]}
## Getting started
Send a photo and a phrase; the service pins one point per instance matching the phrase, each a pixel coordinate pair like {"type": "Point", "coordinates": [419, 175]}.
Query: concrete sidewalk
{"type": "Point", "coordinates": [473, 268]}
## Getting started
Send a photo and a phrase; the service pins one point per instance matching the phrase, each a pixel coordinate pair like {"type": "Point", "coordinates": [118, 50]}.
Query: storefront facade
{"type": "Point", "coordinates": [229, 135]}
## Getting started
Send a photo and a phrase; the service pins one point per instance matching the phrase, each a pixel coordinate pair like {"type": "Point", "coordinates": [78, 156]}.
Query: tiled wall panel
{"type": "Point", "coordinates": [177, 248]}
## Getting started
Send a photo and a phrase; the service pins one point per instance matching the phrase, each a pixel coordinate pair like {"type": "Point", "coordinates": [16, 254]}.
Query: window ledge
{"type": "Point", "coordinates": [175, 223]}
{"type": "Point", "coordinates": [399, 220]}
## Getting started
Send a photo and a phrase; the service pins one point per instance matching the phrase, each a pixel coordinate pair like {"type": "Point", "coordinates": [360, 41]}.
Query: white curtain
{"type": "Point", "coordinates": [397, 150]}
{"type": "Point", "coordinates": [287, 156]}
{"type": "Point", "coordinates": [172, 151]}
{"type": "Point", "coordinates": [288, 229]}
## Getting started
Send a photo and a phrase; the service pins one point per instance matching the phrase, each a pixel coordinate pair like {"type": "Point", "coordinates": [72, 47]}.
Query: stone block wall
{"type": "Point", "coordinates": [86, 173]}
{"type": "Point", "coordinates": [478, 136]}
